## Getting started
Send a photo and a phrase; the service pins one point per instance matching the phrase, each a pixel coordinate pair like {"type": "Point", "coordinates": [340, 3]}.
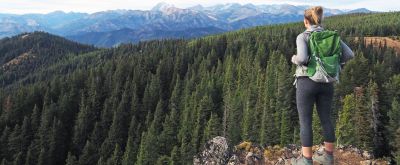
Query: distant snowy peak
{"type": "Point", "coordinates": [162, 6]}
{"type": "Point", "coordinates": [277, 9]}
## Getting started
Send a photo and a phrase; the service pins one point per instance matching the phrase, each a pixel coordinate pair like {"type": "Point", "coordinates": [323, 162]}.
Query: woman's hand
{"type": "Point", "coordinates": [294, 59]}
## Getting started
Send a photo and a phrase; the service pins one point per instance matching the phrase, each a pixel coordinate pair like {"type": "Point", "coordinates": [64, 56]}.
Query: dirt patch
{"type": "Point", "coordinates": [392, 42]}
{"type": "Point", "coordinates": [19, 59]}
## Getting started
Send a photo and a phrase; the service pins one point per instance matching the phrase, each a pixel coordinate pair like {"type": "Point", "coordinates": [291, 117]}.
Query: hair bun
{"type": "Point", "coordinates": [314, 15]}
{"type": "Point", "coordinates": [318, 10]}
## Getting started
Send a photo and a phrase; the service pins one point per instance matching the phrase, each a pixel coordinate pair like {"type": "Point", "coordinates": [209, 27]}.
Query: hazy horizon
{"type": "Point", "coordinates": [91, 6]}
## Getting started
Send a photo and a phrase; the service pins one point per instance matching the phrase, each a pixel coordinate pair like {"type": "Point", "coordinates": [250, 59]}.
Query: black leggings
{"type": "Point", "coordinates": [309, 92]}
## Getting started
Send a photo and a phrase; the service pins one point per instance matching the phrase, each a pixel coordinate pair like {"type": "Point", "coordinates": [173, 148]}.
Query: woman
{"type": "Point", "coordinates": [309, 92]}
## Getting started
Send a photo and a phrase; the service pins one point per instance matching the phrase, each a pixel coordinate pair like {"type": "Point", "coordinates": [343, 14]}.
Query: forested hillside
{"type": "Point", "coordinates": [27, 52]}
{"type": "Point", "coordinates": [158, 102]}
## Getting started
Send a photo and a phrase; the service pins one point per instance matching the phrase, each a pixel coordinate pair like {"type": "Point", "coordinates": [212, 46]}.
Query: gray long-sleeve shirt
{"type": "Point", "coordinates": [302, 50]}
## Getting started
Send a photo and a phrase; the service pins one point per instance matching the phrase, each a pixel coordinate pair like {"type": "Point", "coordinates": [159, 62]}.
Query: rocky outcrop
{"type": "Point", "coordinates": [216, 152]}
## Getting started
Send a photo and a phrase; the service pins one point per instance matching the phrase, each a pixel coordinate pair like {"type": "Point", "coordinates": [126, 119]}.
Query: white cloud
{"type": "Point", "coordinates": [90, 6]}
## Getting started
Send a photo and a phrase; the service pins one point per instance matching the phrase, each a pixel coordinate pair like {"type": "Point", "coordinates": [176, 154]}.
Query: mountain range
{"type": "Point", "coordinates": [162, 102]}
{"type": "Point", "coordinates": [110, 28]}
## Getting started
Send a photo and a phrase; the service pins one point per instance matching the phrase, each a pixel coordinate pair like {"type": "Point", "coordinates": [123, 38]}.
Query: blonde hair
{"type": "Point", "coordinates": [314, 15]}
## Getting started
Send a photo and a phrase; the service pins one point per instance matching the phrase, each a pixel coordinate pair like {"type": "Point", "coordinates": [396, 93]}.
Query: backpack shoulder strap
{"type": "Point", "coordinates": [311, 43]}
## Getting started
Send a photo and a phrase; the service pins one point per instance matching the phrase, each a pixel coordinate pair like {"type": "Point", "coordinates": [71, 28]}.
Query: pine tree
{"type": "Point", "coordinates": [362, 118]}
{"type": "Point", "coordinates": [132, 146]}
{"type": "Point", "coordinates": [168, 136]}
{"type": "Point", "coordinates": [118, 131]}
{"type": "Point", "coordinates": [397, 146]}
{"type": "Point", "coordinates": [71, 159]}
{"type": "Point", "coordinates": [29, 159]}
{"type": "Point", "coordinates": [144, 153]}
{"type": "Point", "coordinates": [286, 136]}
{"type": "Point", "coordinates": [235, 114]}
{"type": "Point", "coordinates": [175, 156]}
{"type": "Point", "coordinates": [89, 155]}
{"type": "Point", "coordinates": [269, 133]}
{"type": "Point", "coordinates": [14, 141]}
{"type": "Point", "coordinates": [26, 135]}
{"type": "Point", "coordinates": [163, 160]}
{"type": "Point", "coordinates": [4, 162]}
{"type": "Point", "coordinates": [149, 146]}
{"type": "Point", "coordinates": [116, 156]}
{"type": "Point", "coordinates": [345, 124]}
{"type": "Point", "coordinates": [186, 126]}
{"type": "Point", "coordinates": [35, 119]}
{"type": "Point", "coordinates": [43, 157]}
{"type": "Point", "coordinates": [204, 110]}
{"type": "Point", "coordinates": [57, 146]}
{"type": "Point", "coordinates": [394, 118]}
{"type": "Point", "coordinates": [18, 159]}
{"type": "Point", "coordinates": [82, 126]}
{"type": "Point", "coordinates": [283, 98]}
{"type": "Point", "coordinates": [379, 144]}
{"type": "Point", "coordinates": [212, 128]}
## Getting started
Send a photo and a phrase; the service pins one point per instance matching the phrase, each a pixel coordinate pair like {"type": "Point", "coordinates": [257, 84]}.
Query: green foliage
{"type": "Point", "coordinates": [160, 101]}
{"type": "Point", "coordinates": [397, 146]}
{"type": "Point", "coordinates": [71, 159]}
{"type": "Point", "coordinates": [363, 121]}
{"type": "Point", "coordinates": [344, 125]}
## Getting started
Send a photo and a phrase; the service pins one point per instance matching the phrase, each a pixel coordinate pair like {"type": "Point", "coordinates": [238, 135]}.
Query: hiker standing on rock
{"type": "Point", "coordinates": [320, 54]}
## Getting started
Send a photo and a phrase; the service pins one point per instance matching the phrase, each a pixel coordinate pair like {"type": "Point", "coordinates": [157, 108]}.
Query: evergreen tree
{"type": "Point", "coordinates": [116, 156]}
{"type": "Point", "coordinates": [268, 133]}
{"type": "Point", "coordinates": [379, 144]}
{"type": "Point", "coordinates": [71, 159]}
{"type": "Point", "coordinates": [149, 146]}
{"type": "Point", "coordinates": [283, 104]}
{"type": "Point", "coordinates": [89, 155]}
{"type": "Point", "coordinates": [204, 110]}
{"type": "Point", "coordinates": [394, 117]}
{"type": "Point", "coordinates": [345, 124]}
{"type": "Point", "coordinates": [18, 159]}
{"type": "Point", "coordinates": [175, 156]}
{"type": "Point", "coordinates": [14, 141]}
{"type": "Point", "coordinates": [28, 159]}
{"type": "Point", "coordinates": [118, 131]}
{"type": "Point", "coordinates": [397, 146]}
{"type": "Point", "coordinates": [212, 128]}
{"type": "Point", "coordinates": [362, 118]}
{"type": "Point", "coordinates": [163, 160]}
{"type": "Point", "coordinates": [82, 126]}
{"type": "Point", "coordinates": [132, 146]}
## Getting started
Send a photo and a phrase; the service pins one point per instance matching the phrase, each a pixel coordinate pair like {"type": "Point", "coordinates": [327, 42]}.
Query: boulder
{"type": "Point", "coordinates": [366, 162]}
{"type": "Point", "coordinates": [234, 160]}
{"type": "Point", "coordinates": [367, 155]}
{"type": "Point", "coordinates": [215, 152]}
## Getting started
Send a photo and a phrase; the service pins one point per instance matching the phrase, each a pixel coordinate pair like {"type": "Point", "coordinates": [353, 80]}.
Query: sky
{"type": "Point", "coordinates": [91, 6]}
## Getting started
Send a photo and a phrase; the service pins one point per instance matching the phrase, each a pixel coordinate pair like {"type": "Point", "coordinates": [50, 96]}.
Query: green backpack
{"type": "Point", "coordinates": [324, 63]}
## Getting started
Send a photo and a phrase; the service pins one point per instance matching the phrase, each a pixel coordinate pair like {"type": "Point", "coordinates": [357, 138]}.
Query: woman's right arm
{"type": "Point", "coordinates": [302, 50]}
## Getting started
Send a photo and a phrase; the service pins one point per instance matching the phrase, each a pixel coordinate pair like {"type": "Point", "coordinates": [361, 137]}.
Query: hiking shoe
{"type": "Point", "coordinates": [301, 161]}
{"type": "Point", "coordinates": [324, 159]}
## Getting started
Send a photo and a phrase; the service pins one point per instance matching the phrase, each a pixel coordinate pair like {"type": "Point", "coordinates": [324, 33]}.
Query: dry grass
{"type": "Point", "coordinates": [18, 60]}
{"type": "Point", "coordinates": [392, 42]}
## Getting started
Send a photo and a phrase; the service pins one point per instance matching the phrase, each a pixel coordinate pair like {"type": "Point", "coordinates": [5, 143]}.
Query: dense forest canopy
{"type": "Point", "coordinates": [158, 102]}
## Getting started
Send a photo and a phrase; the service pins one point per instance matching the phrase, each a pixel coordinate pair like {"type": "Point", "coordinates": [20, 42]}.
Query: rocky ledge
{"type": "Point", "coordinates": [217, 152]}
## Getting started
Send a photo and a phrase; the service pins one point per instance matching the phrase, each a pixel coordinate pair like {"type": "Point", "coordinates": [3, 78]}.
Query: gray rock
{"type": "Point", "coordinates": [366, 162]}
{"type": "Point", "coordinates": [367, 155]}
{"type": "Point", "coordinates": [234, 160]}
{"type": "Point", "coordinates": [215, 152]}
